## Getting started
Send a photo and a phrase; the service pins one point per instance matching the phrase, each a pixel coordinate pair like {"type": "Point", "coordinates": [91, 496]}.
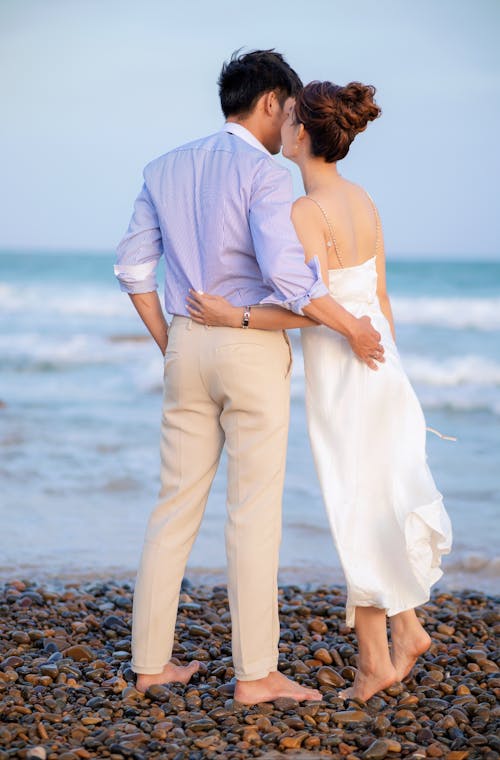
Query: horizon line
{"type": "Point", "coordinates": [414, 257]}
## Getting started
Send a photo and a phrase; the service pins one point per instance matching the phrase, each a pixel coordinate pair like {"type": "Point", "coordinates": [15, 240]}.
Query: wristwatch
{"type": "Point", "coordinates": [246, 317]}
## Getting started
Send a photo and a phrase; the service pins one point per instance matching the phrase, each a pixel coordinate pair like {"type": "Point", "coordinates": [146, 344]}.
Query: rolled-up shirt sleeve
{"type": "Point", "coordinates": [278, 250]}
{"type": "Point", "coordinates": [140, 248]}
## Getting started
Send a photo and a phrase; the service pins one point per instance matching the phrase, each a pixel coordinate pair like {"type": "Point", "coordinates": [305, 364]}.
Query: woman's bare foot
{"type": "Point", "coordinates": [369, 682]}
{"type": "Point", "coordinates": [375, 670]}
{"type": "Point", "coordinates": [170, 674]}
{"type": "Point", "coordinates": [406, 650]}
{"type": "Point", "coordinates": [274, 686]}
{"type": "Point", "coordinates": [408, 641]}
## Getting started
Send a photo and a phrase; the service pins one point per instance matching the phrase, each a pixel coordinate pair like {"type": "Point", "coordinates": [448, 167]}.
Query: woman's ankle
{"type": "Point", "coordinates": [374, 662]}
{"type": "Point", "coordinates": [405, 622]}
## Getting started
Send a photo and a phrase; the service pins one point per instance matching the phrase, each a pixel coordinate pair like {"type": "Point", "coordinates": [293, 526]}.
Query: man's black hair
{"type": "Point", "coordinates": [248, 76]}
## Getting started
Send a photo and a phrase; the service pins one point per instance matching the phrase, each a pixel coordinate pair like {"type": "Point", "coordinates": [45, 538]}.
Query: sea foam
{"type": "Point", "coordinates": [452, 313]}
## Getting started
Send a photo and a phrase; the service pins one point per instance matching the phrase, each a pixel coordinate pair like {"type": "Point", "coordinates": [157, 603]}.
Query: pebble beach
{"type": "Point", "coordinates": [67, 689]}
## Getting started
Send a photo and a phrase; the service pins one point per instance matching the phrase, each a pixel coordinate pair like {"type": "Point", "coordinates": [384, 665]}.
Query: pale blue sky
{"type": "Point", "coordinates": [91, 90]}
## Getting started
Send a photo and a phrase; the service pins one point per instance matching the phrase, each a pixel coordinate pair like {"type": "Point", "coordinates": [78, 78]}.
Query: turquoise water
{"type": "Point", "coordinates": [81, 404]}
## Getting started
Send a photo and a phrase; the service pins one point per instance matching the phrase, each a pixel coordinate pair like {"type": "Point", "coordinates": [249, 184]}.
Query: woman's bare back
{"type": "Point", "coordinates": [349, 222]}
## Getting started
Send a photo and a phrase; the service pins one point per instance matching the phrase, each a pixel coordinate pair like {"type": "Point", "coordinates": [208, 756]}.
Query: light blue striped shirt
{"type": "Point", "coordinates": [218, 210]}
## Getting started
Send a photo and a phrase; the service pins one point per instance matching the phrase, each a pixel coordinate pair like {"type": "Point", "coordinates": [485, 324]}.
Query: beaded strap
{"type": "Point", "coordinates": [377, 223]}
{"type": "Point", "coordinates": [332, 234]}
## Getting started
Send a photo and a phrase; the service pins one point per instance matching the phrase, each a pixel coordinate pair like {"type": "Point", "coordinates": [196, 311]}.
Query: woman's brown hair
{"type": "Point", "coordinates": [334, 115]}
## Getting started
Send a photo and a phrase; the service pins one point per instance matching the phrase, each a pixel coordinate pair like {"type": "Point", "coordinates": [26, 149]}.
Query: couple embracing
{"type": "Point", "coordinates": [242, 264]}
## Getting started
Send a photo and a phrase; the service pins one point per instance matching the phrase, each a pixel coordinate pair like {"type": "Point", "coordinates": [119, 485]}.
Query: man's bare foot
{"type": "Point", "coordinates": [405, 650]}
{"type": "Point", "coordinates": [368, 683]}
{"type": "Point", "coordinates": [274, 686]}
{"type": "Point", "coordinates": [170, 674]}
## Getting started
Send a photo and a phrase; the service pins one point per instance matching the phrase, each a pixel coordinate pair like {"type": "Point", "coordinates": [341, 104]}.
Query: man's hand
{"type": "Point", "coordinates": [150, 311]}
{"type": "Point", "coordinates": [365, 342]}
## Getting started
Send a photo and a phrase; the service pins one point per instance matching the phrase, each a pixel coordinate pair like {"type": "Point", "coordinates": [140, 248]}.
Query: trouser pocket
{"type": "Point", "coordinates": [290, 353]}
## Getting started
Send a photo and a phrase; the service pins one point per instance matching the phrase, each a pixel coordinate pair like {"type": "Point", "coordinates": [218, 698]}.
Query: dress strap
{"type": "Point", "coordinates": [440, 435]}
{"type": "Point", "coordinates": [377, 223]}
{"type": "Point", "coordinates": [332, 240]}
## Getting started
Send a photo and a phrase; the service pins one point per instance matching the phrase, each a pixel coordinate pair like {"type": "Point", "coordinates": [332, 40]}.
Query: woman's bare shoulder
{"type": "Point", "coordinates": [360, 191]}
{"type": "Point", "coordinates": [301, 204]}
{"type": "Point", "coordinates": [305, 212]}
{"type": "Point", "coordinates": [355, 187]}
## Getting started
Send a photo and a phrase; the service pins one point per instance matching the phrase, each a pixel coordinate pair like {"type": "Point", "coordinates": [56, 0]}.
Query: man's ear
{"type": "Point", "coordinates": [302, 133]}
{"type": "Point", "coordinates": [270, 103]}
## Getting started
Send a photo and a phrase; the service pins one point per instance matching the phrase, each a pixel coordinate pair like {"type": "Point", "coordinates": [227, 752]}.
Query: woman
{"type": "Point", "coordinates": [367, 429]}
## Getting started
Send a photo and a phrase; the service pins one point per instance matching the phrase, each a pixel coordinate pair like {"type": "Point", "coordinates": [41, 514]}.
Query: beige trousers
{"type": "Point", "coordinates": [221, 385]}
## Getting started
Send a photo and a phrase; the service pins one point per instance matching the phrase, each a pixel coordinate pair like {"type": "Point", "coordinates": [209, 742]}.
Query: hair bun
{"type": "Point", "coordinates": [357, 105]}
{"type": "Point", "coordinates": [333, 115]}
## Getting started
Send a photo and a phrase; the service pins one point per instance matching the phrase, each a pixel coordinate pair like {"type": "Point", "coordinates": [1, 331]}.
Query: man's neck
{"type": "Point", "coordinates": [252, 126]}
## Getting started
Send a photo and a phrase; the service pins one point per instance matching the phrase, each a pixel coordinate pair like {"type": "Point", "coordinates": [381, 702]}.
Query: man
{"type": "Point", "coordinates": [218, 209]}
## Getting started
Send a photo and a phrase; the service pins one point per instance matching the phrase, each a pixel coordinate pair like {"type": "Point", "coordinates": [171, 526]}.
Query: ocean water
{"type": "Point", "coordinates": [80, 399]}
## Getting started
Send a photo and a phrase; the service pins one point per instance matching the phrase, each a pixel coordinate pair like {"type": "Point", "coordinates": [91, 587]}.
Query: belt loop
{"type": "Point", "coordinates": [190, 324]}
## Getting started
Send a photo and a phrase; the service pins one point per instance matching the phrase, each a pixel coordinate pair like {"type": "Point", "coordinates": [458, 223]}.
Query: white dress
{"type": "Point", "coordinates": [368, 437]}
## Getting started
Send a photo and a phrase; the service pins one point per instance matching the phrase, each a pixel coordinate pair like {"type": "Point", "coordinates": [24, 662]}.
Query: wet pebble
{"type": "Point", "coordinates": [36, 753]}
{"type": "Point", "coordinates": [329, 677]}
{"type": "Point", "coordinates": [351, 716]}
{"type": "Point", "coordinates": [377, 750]}
{"type": "Point", "coordinates": [79, 652]}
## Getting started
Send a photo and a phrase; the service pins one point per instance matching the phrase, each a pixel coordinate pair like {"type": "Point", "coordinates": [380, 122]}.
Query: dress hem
{"type": "Point", "coordinates": [427, 532]}
{"type": "Point", "coordinates": [389, 611]}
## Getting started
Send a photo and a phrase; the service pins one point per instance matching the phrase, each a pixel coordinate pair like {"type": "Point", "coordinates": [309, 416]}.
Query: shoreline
{"type": "Point", "coordinates": [66, 685]}
{"type": "Point", "coordinates": [454, 580]}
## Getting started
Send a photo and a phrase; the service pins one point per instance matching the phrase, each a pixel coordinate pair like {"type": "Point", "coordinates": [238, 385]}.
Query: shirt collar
{"type": "Point", "coordinates": [240, 131]}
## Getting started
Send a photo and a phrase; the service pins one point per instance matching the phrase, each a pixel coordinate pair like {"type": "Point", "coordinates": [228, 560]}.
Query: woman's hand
{"type": "Point", "coordinates": [213, 310]}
